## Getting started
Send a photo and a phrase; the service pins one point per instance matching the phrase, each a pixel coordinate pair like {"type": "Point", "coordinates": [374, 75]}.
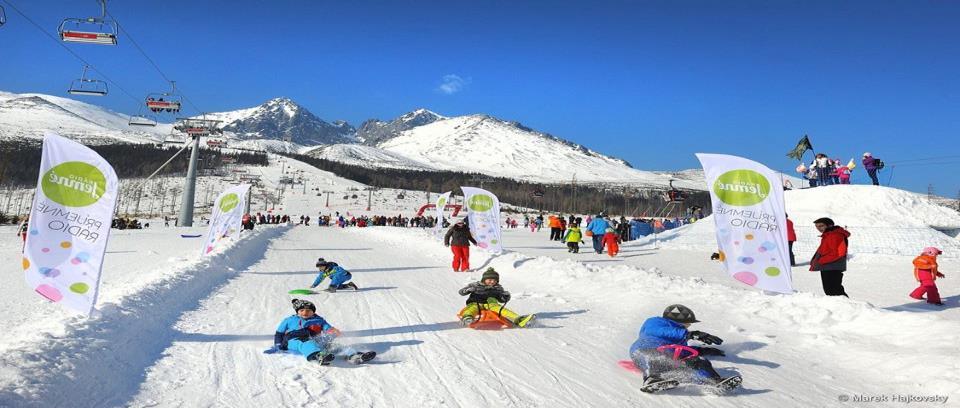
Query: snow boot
{"type": "Point", "coordinates": [361, 357]}
{"type": "Point", "coordinates": [322, 358]}
{"type": "Point", "coordinates": [331, 289]}
{"type": "Point", "coordinates": [653, 384]}
{"type": "Point", "coordinates": [350, 285]}
{"type": "Point", "coordinates": [725, 385]}
{"type": "Point", "coordinates": [523, 321]}
{"type": "Point", "coordinates": [467, 320]}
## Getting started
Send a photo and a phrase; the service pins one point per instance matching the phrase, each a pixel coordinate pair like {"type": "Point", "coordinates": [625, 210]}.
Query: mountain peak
{"type": "Point", "coordinates": [375, 131]}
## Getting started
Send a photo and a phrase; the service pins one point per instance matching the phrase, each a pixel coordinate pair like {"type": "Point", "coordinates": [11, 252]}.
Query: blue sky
{"type": "Point", "coordinates": [649, 81]}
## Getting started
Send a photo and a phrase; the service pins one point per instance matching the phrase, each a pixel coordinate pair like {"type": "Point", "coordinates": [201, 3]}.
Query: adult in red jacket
{"type": "Point", "coordinates": [831, 257]}
{"type": "Point", "coordinates": [458, 238]}
{"type": "Point", "coordinates": [791, 238]}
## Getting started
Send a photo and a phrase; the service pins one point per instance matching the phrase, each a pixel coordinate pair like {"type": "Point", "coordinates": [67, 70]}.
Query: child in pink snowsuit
{"type": "Point", "coordinates": [843, 173]}
{"type": "Point", "coordinates": [925, 271]}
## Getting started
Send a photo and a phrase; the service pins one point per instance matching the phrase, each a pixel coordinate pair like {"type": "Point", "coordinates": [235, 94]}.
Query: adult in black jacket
{"type": "Point", "coordinates": [458, 238]}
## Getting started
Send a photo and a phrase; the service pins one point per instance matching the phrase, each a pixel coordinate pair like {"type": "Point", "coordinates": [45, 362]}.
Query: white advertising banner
{"type": "Point", "coordinates": [227, 216]}
{"type": "Point", "coordinates": [69, 223]}
{"type": "Point", "coordinates": [750, 217]}
{"type": "Point", "coordinates": [440, 204]}
{"type": "Point", "coordinates": [484, 215]}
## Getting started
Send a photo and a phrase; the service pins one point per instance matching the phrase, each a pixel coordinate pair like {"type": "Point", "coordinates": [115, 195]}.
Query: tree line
{"type": "Point", "coordinates": [20, 160]}
{"type": "Point", "coordinates": [566, 198]}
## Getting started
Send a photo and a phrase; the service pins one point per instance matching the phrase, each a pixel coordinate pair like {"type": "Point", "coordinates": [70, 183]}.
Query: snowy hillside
{"type": "Point", "coordinates": [881, 220]}
{"type": "Point", "coordinates": [175, 329]}
{"type": "Point", "coordinates": [366, 156]}
{"type": "Point", "coordinates": [483, 144]}
{"type": "Point", "coordinates": [26, 115]}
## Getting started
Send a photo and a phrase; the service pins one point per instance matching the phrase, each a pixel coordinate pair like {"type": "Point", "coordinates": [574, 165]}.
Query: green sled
{"type": "Point", "coordinates": [302, 292]}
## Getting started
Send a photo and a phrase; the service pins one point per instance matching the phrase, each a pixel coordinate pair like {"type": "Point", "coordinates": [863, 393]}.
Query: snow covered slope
{"type": "Point", "coordinates": [175, 329]}
{"type": "Point", "coordinates": [483, 144]}
{"type": "Point", "coordinates": [881, 220]}
{"type": "Point", "coordinates": [26, 115]}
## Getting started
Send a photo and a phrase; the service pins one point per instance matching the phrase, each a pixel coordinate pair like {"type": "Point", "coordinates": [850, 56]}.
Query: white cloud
{"type": "Point", "coordinates": [452, 84]}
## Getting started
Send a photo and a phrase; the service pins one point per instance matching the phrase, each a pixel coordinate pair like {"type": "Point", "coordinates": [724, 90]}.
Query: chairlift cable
{"type": "Point", "coordinates": [75, 55]}
{"type": "Point", "coordinates": [136, 45]}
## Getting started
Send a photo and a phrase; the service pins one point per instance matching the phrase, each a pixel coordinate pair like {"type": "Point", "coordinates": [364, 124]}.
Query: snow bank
{"type": "Point", "coordinates": [881, 220]}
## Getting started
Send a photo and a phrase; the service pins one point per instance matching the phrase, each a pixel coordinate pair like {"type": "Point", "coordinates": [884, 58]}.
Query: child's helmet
{"type": "Point", "coordinates": [679, 314]}
{"type": "Point", "coordinates": [932, 251]}
{"type": "Point", "coordinates": [303, 304]}
{"type": "Point", "coordinates": [490, 273]}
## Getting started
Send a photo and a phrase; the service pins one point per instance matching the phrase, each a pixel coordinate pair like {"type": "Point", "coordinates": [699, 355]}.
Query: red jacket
{"type": "Point", "coordinates": [791, 234]}
{"type": "Point", "coordinates": [832, 253]}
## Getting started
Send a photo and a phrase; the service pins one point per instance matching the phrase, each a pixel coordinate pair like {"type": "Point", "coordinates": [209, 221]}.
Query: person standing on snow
{"type": "Point", "coordinates": [662, 354]}
{"type": "Point", "coordinates": [573, 237]}
{"type": "Point", "coordinates": [831, 257]}
{"type": "Point", "coordinates": [791, 238]}
{"type": "Point", "coordinates": [458, 238]}
{"type": "Point", "coordinates": [597, 228]}
{"type": "Point", "coordinates": [871, 165]}
{"type": "Point", "coordinates": [925, 271]}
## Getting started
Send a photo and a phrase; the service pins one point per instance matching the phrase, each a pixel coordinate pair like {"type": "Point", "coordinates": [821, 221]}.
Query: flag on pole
{"type": "Point", "coordinates": [484, 215]}
{"type": "Point", "coordinates": [227, 216]}
{"type": "Point", "coordinates": [440, 205]}
{"type": "Point", "coordinates": [802, 146]}
{"type": "Point", "coordinates": [69, 223]}
{"type": "Point", "coordinates": [751, 223]}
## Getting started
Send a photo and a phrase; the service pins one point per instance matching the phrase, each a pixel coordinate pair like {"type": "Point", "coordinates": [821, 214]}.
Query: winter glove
{"type": "Point", "coordinates": [705, 338]}
{"type": "Point", "coordinates": [315, 329]}
{"type": "Point", "coordinates": [940, 275]}
{"type": "Point", "coordinates": [709, 351]}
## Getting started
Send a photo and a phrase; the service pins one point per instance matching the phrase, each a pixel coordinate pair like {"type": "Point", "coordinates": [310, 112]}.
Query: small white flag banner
{"type": "Point", "coordinates": [227, 216]}
{"type": "Point", "coordinates": [484, 215]}
{"type": "Point", "coordinates": [69, 223]}
{"type": "Point", "coordinates": [440, 204]}
{"type": "Point", "coordinates": [751, 224]}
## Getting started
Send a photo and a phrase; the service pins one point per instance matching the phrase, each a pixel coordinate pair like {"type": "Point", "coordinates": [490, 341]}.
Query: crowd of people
{"type": "Point", "coordinates": [824, 171]}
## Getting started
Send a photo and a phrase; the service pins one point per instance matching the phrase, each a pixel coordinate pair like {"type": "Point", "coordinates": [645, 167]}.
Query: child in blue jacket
{"type": "Point", "coordinates": [338, 276]}
{"type": "Point", "coordinates": [310, 335]}
{"type": "Point", "coordinates": [662, 353]}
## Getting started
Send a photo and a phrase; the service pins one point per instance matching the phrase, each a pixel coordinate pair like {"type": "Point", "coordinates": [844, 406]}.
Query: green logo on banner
{"type": "Point", "coordinates": [229, 202]}
{"type": "Point", "coordinates": [741, 187]}
{"type": "Point", "coordinates": [480, 203]}
{"type": "Point", "coordinates": [74, 184]}
{"type": "Point", "coordinates": [442, 201]}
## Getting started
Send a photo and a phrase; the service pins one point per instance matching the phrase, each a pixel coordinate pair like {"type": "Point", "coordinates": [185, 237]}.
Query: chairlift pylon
{"type": "Point", "coordinates": [86, 86]}
{"type": "Point", "coordinates": [170, 102]}
{"type": "Point", "coordinates": [90, 30]}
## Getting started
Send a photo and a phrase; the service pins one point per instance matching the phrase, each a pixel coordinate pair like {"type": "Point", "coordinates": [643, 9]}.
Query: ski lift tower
{"type": "Point", "coordinates": [194, 128]}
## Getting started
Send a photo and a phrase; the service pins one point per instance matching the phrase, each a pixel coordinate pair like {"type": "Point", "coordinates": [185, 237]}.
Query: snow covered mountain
{"type": "Point", "coordinates": [27, 115]}
{"type": "Point", "coordinates": [283, 119]}
{"type": "Point", "coordinates": [487, 145]}
{"type": "Point", "coordinates": [375, 131]}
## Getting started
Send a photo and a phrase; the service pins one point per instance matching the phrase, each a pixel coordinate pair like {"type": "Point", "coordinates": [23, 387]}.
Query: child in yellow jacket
{"type": "Point", "coordinates": [925, 271]}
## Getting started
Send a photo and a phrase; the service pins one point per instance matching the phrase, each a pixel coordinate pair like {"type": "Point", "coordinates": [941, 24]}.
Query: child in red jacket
{"type": "Point", "coordinates": [925, 271]}
{"type": "Point", "coordinates": [612, 240]}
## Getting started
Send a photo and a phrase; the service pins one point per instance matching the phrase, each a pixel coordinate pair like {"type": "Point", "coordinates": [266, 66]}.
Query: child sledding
{"type": "Point", "coordinates": [485, 304]}
{"type": "Point", "coordinates": [661, 353]}
{"type": "Point", "coordinates": [311, 336]}
{"type": "Point", "coordinates": [338, 276]}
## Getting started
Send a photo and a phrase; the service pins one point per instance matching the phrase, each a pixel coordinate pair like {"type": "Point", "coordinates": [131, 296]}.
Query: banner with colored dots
{"type": "Point", "coordinates": [750, 217]}
{"type": "Point", "coordinates": [484, 214]}
{"type": "Point", "coordinates": [69, 223]}
{"type": "Point", "coordinates": [227, 216]}
{"type": "Point", "coordinates": [440, 204]}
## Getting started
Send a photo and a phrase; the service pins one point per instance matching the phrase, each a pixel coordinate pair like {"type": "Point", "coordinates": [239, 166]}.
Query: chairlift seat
{"type": "Point", "coordinates": [82, 31]}
{"type": "Point", "coordinates": [141, 121]}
